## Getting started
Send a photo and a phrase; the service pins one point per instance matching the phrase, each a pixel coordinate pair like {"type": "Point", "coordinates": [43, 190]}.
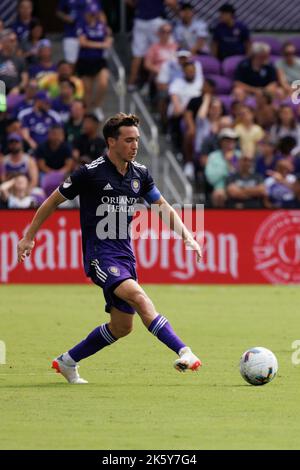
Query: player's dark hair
{"type": "Point", "coordinates": [112, 126]}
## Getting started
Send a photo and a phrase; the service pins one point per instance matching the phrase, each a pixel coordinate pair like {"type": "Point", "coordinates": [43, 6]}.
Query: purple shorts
{"type": "Point", "coordinates": [109, 274]}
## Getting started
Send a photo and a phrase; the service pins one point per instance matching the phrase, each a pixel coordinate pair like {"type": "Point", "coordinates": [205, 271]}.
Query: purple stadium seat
{"type": "Point", "coordinates": [230, 64]}
{"type": "Point", "coordinates": [296, 41]}
{"type": "Point", "coordinates": [223, 84]}
{"type": "Point", "coordinates": [209, 64]}
{"type": "Point", "coordinates": [51, 180]}
{"type": "Point", "coordinates": [274, 58]}
{"type": "Point", "coordinates": [274, 43]}
{"type": "Point", "coordinates": [227, 101]}
{"type": "Point", "coordinates": [13, 101]}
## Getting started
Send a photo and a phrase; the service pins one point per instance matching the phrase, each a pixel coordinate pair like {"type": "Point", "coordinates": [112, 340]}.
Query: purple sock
{"type": "Point", "coordinates": [96, 340]}
{"type": "Point", "coordinates": [161, 328]}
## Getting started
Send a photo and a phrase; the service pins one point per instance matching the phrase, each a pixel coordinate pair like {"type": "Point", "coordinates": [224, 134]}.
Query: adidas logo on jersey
{"type": "Point", "coordinates": [107, 187]}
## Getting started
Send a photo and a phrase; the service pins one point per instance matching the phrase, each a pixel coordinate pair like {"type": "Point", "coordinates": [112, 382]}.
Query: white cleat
{"type": "Point", "coordinates": [187, 360]}
{"type": "Point", "coordinates": [70, 373]}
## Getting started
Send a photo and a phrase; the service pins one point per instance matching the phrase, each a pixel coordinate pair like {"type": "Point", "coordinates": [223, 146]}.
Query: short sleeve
{"type": "Point", "coordinates": [149, 191]}
{"type": "Point", "coordinates": [74, 184]}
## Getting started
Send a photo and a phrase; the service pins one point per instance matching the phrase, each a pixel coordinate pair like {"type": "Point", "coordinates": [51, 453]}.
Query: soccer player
{"type": "Point", "coordinates": [113, 181]}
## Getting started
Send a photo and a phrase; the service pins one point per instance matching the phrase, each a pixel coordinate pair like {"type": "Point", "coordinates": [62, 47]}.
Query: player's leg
{"type": "Point", "coordinates": [120, 325]}
{"type": "Point", "coordinates": [133, 294]}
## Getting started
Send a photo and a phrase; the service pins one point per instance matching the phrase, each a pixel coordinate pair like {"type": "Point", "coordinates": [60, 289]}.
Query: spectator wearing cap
{"type": "Point", "coordinates": [37, 120]}
{"type": "Point", "coordinates": [148, 18]}
{"type": "Point", "coordinates": [71, 13]}
{"type": "Point", "coordinates": [248, 131]}
{"type": "Point", "coordinates": [62, 104]}
{"type": "Point", "coordinates": [245, 189]}
{"type": "Point", "coordinates": [191, 33]}
{"type": "Point", "coordinates": [30, 46]}
{"type": "Point", "coordinates": [94, 40]}
{"type": "Point", "coordinates": [257, 74]}
{"type": "Point", "coordinates": [181, 91]}
{"type": "Point", "coordinates": [230, 36]}
{"type": "Point", "coordinates": [54, 154]}
{"type": "Point", "coordinates": [19, 162]}
{"type": "Point", "coordinates": [288, 67]}
{"type": "Point", "coordinates": [89, 145]}
{"type": "Point", "coordinates": [51, 82]}
{"type": "Point", "coordinates": [221, 164]}
{"type": "Point", "coordinates": [24, 20]}
{"type": "Point", "coordinates": [12, 68]}
{"type": "Point", "coordinates": [45, 62]}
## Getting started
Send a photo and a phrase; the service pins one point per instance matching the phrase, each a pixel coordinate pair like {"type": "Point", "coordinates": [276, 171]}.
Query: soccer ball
{"type": "Point", "coordinates": [258, 366]}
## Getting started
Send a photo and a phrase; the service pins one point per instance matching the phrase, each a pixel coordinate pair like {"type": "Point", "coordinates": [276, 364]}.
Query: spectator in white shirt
{"type": "Point", "coordinates": [191, 33]}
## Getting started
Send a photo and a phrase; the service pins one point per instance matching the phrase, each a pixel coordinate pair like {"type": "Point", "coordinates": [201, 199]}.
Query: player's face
{"type": "Point", "coordinates": [126, 145]}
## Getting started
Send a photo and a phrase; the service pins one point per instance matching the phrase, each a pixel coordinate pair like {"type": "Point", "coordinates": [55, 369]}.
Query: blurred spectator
{"type": "Point", "coordinates": [24, 20]}
{"type": "Point", "coordinates": [94, 40]}
{"type": "Point", "coordinates": [160, 52]}
{"type": "Point", "coordinates": [37, 120]}
{"type": "Point", "coordinates": [211, 142]}
{"type": "Point", "coordinates": [148, 18]}
{"type": "Point", "coordinates": [266, 157]}
{"type": "Point", "coordinates": [12, 68]}
{"type": "Point", "coordinates": [248, 132]}
{"type": "Point", "coordinates": [288, 150]}
{"type": "Point", "coordinates": [181, 91]}
{"type": "Point", "coordinates": [71, 13]}
{"type": "Point", "coordinates": [51, 82]}
{"type": "Point", "coordinates": [256, 74]}
{"type": "Point", "coordinates": [74, 125]}
{"type": "Point", "coordinates": [169, 71]}
{"type": "Point", "coordinates": [18, 162]}
{"type": "Point", "coordinates": [286, 125]}
{"type": "Point", "coordinates": [16, 193]}
{"type": "Point", "coordinates": [230, 36]}
{"type": "Point", "coordinates": [288, 67]}
{"type": "Point", "coordinates": [30, 46]}
{"type": "Point", "coordinates": [221, 164]}
{"type": "Point", "coordinates": [89, 145]}
{"type": "Point", "coordinates": [190, 32]}
{"type": "Point", "coordinates": [27, 99]}
{"type": "Point", "coordinates": [281, 186]}
{"type": "Point", "coordinates": [62, 104]}
{"type": "Point", "coordinates": [54, 154]}
{"type": "Point", "coordinates": [245, 189]}
{"type": "Point", "coordinates": [265, 111]}
{"type": "Point", "coordinates": [44, 63]}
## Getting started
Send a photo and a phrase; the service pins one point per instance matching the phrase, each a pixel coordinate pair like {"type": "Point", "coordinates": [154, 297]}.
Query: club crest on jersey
{"type": "Point", "coordinates": [114, 270]}
{"type": "Point", "coordinates": [135, 185]}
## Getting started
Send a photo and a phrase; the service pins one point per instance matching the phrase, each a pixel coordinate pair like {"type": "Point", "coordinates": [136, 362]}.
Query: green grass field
{"type": "Point", "coordinates": [135, 399]}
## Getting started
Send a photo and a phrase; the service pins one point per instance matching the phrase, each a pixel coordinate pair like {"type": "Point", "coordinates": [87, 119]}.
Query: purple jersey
{"type": "Point", "coordinates": [104, 191]}
{"type": "Point", "coordinates": [38, 123]}
{"type": "Point", "coordinates": [64, 110]}
{"type": "Point", "coordinates": [76, 9]}
{"type": "Point", "coordinates": [22, 29]}
{"type": "Point", "coordinates": [97, 33]}
{"type": "Point", "coordinates": [38, 71]}
{"type": "Point", "coordinates": [148, 10]}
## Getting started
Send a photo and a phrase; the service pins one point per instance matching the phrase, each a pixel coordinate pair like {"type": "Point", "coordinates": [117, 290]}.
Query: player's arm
{"type": "Point", "coordinates": [170, 216]}
{"type": "Point", "coordinates": [26, 245]}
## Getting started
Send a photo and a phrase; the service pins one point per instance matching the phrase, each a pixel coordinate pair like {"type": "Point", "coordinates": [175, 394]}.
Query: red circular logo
{"type": "Point", "coordinates": [277, 248]}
